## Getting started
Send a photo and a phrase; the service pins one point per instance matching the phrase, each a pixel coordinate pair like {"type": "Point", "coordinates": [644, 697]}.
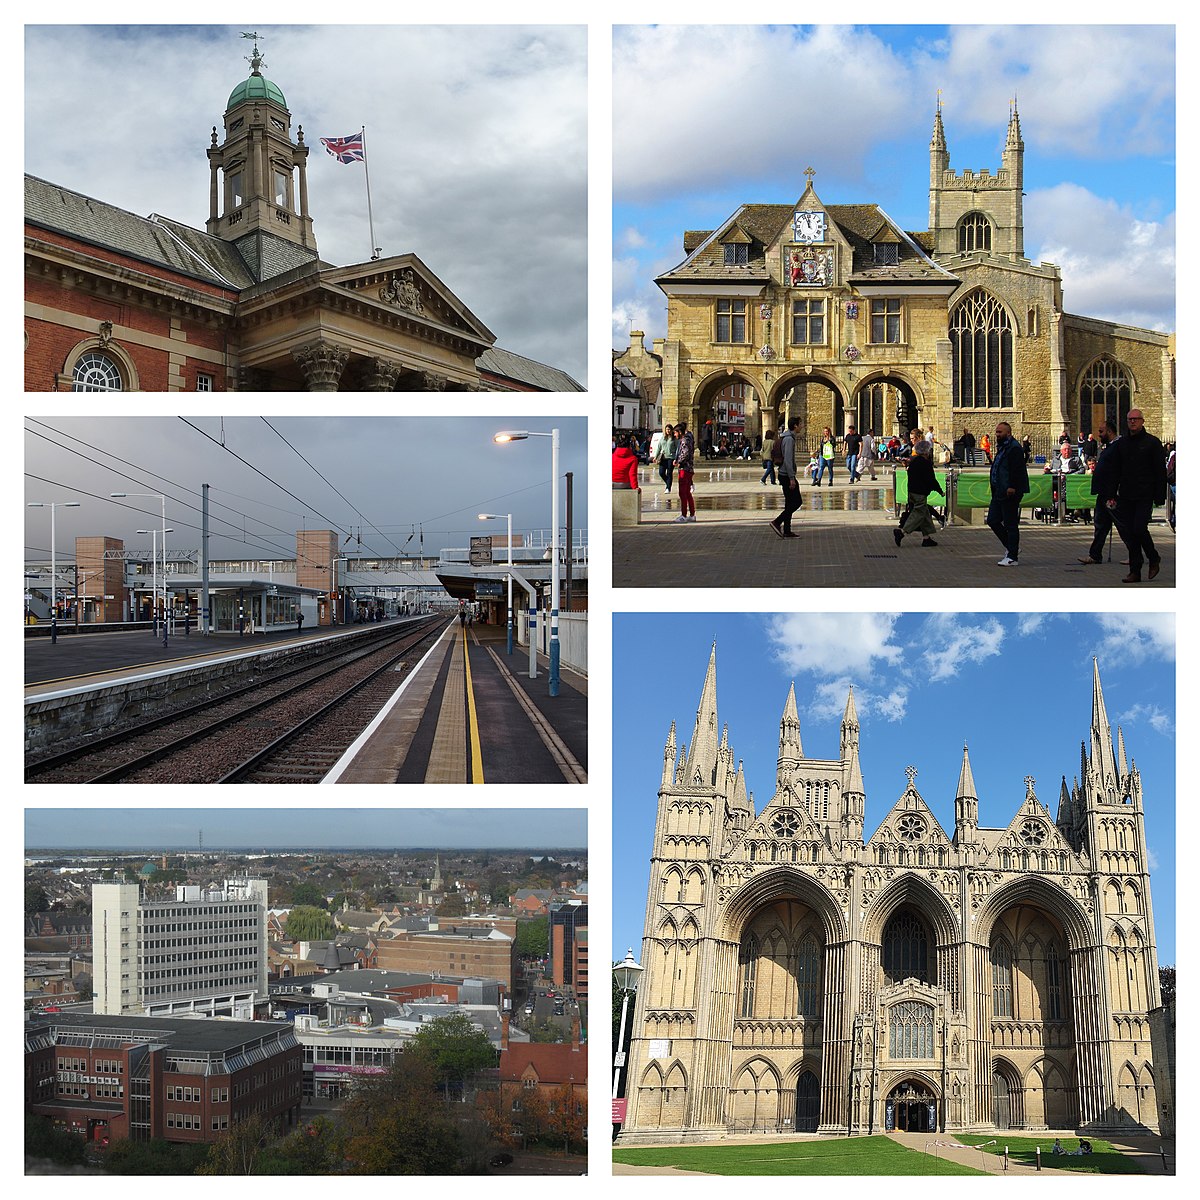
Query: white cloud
{"type": "Point", "coordinates": [953, 644]}
{"type": "Point", "coordinates": [1115, 266]}
{"type": "Point", "coordinates": [1139, 636]}
{"type": "Point", "coordinates": [725, 89]}
{"type": "Point", "coordinates": [1148, 714]}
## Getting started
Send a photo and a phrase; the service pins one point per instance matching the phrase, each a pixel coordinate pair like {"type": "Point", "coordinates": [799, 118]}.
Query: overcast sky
{"type": "Point", "coordinates": [535, 829]}
{"type": "Point", "coordinates": [476, 143]}
{"type": "Point", "coordinates": [395, 476]}
{"type": "Point", "coordinates": [1015, 688]}
{"type": "Point", "coordinates": [707, 118]}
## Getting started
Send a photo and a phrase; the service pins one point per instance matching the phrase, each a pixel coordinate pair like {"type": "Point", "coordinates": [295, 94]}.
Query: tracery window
{"type": "Point", "coordinates": [808, 965]}
{"type": "Point", "coordinates": [1002, 1005]}
{"type": "Point", "coordinates": [96, 373]}
{"type": "Point", "coordinates": [1106, 382]}
{"type": "Point", "coordinates": [974, 233]}
{"type": "Point", "coordinates": [1033, 833]}
{"type": "Point", "coordinates": [905, 949]}
{"type": "Point", "coordinates": [911, 827]}
{"type": "Point", "coordinates": [911, 1030]}
{"type": "Point", "coordinates": [1054, 991]}
{"type": "Point", "coordinates": [981, 344]}
{"type": "Point", "coordinates": [785, 824]}
{"type": "Point", "coordinates": [748, 962]}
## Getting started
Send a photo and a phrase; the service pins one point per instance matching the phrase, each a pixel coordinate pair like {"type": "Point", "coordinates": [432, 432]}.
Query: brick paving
{"type": "Point", "coordinates": [734, 546]}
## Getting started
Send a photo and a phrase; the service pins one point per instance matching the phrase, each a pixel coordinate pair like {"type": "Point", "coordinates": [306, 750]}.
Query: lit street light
{"type": "Point", "coordinates": [519, 435]}
{"type": "Point", "coordinates": [54, 563]}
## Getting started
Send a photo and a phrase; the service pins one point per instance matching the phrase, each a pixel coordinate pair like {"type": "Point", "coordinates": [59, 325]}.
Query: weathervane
{"type": "Point", "coordinates": [256, 59]}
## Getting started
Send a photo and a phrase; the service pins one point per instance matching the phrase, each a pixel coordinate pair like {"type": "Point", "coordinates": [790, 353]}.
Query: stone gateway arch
{"type": "Point", "coordinates": [801, 978]}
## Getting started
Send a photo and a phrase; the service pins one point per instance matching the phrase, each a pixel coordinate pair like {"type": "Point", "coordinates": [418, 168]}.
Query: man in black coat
{"type": "Point", "coordinates": [1141, 484]}
{"type": "Point", "coordinates": [1010, 481]}
{"type": "Point", "coordinates": [1104, 488]}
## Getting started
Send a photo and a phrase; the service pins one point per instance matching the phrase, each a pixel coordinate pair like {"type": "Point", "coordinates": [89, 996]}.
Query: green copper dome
{"type": "Point", "coordinates": [257, 87]}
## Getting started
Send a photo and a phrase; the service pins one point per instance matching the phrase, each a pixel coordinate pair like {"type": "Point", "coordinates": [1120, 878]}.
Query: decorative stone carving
{"type": "Point", "coordinates": [402, 291]}
{"type": "Point", "coordinates": [322, 363]}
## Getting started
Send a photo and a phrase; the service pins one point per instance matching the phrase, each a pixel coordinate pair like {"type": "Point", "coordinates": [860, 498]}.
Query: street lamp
{"type": "Point", "coordinates": [626, 974]}
{"type": "Point", "coordinates": [165, 531]}
{"type": "Point", "coordinates": [345, 598]}
{"type": "Point", "coordinates": [154, 559]}
{"type": "Point", "coordinates": [54, 563]}
{"type": "Point", "coordinates": [496, 517]}
{"type": "Point", "coordinates": [519, 435]}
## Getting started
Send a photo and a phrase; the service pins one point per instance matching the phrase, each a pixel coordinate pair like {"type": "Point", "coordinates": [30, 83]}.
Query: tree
{"type": "Point", "coordinates": [308, 894]}
{"type": "Point", "coordinates": [308, 924]}
{"type": "Point", "coordinates": [533, 937]}
{"type": "Point", "coordinates": [36, 900]}
{"type": "Point", "coordinates": [452, 905]}
{"type": "Point", "coordinates": [1166, 984]}
{"type": "Point", "coordinates": [43, 1140]}
{"type": "Point", "coordinates": [453, 1048]}
{"type": "Point", "coordinates": [237, 1150]}
{"type": "Point", "coordinates": [546, 1032]}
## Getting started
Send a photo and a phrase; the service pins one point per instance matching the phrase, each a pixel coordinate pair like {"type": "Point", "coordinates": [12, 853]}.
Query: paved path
{"type": "Point", "coordinates": [735, 546]}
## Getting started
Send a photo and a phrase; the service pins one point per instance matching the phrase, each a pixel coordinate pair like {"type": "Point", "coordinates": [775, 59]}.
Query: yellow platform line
{"type": "Point", "coordinates": [472, 718]}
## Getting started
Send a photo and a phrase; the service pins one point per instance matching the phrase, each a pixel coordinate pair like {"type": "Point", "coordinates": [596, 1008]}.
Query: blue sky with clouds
{"type": "Point", "coordinates": [706, 118]}
{"type": "Point", "coordinates": [1015, 688]}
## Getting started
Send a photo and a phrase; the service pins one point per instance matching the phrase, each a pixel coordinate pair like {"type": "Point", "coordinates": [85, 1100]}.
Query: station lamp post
{"type": "Point", "coordinates": [154, 558]}
{"type": "Point", "coordinates": [519, 435]}
{"type": "Point", "coordinates": [54, 563]}
{"type": "Point", "coordinates": [345, 598]}
{"type": "Point", "coordinates": [165, 531]}
{"type": "Point", "coordinates": [508, 517]}
{"type": "Point", "coordinates": [627, 974]}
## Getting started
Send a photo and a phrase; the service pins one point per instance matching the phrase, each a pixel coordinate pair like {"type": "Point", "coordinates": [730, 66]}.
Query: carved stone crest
{"type": "Point", "coordinates": [402, 291]}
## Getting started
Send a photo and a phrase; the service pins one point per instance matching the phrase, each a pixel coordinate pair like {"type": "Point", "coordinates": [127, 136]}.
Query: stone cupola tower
{"type": "Point", "coordinates": [258, 183]}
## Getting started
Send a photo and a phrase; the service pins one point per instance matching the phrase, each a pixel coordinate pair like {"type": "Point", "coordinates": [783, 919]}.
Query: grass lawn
{"type": "Point", "coordinates": [836, 1156]}
{"type": "Point", "coordinates": [1103, 1160]}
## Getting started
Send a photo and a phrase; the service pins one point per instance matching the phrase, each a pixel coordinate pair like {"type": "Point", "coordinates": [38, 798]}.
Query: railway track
{"type": "Point", "coordinates": [246, 735]}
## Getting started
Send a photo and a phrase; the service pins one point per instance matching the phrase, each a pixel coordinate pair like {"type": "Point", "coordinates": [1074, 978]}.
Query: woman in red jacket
{"type": "Point", "coordinates": [624, 465]}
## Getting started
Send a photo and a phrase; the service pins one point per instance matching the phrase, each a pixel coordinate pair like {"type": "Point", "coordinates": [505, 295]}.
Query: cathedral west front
{"type": "Point", "coordinates": [801, 976]}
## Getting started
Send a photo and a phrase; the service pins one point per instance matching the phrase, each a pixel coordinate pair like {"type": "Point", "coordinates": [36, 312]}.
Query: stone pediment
{"type": "Point", "coordinates": [1033, 828]}
{"type": "Point", "coordinates": [403, 285]}
{"type": "Point", "coordinates": [910, 822]}
{"type": "Point", "coordinates": [787, 822]}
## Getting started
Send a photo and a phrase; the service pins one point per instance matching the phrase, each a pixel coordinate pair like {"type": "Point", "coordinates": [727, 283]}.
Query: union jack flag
{"type": "Point", "coordinates": [346, 149]}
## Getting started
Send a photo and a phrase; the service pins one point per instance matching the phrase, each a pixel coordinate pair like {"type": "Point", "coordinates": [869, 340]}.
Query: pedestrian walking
{"type": "Point", "coordinates": [853, 444]}
{"type": "Point", "coordinates": [869, 452]}
{"type": "Point", "coordinates": [825, 457]}
{"type": "Point", "coordinates": [685, 464]}
{"type": "Point", "coordinates": [921, 481]}
{"type": "Point", "coordinates": [665, 453]}
{"type": "Point", "coordinates": [1009, 481]}
{"type": "Point", "coordinates": [767, 462]}
{"type": "Point", "coordinates": [788, 481]}
{"type": "Point", "coordinates": [1104, 488]}
{"type": "Point", "coordinates": [1141, 484]}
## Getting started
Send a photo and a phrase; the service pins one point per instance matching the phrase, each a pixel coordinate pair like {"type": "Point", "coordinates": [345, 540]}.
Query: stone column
{"type": "Point", "coordinates": [380, 374]}
{"type": "Point", "coordinates": [322, 363]}
{"type": "Point", "coordinates": [431, 381]}
{"type": "Point", "coordinates": [1058, 374]}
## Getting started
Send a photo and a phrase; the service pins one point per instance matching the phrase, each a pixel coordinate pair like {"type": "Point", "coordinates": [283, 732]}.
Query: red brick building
{"type": "Point", "coordinates": [186, 1080]}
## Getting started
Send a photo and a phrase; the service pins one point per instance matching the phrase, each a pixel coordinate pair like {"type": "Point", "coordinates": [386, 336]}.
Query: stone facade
{"type": "Point", "coordinates": [800, 977]}
{"type": "Point", "coordinates": [834, 314]}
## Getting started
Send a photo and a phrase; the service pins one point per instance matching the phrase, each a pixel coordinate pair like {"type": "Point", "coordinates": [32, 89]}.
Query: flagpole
{"type": "Point", "coordinates": [370, 219]}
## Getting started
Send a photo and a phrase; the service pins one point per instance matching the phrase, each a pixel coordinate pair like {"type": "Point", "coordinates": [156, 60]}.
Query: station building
{"type": "Point", "coordinates": [802, 977]}
{"type": "Point", "coordinates": [835, 314]}
{"type": "Point", "coordinates": [203, 952]}
{"type": "Point", "coordinates": [107, 1077]}
{"type": "Point", "coordinates": [119, 302]}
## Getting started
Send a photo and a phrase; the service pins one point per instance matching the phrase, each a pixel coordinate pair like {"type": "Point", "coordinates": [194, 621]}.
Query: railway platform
{"type": "Point", "coordinates": [461, 712]}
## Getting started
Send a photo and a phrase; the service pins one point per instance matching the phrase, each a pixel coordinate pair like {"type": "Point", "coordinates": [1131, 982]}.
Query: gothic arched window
{"type": "Point", "coordinates": [1107, 384]}
{"type": "Point", "coordinates": [748, 962]}
{"type": "Point", "coordinates": [1054, 991]}
{"type": "Point", "coordinates": [981, 344]}
{"type": "Point", "coordinates": [1002, 1005]}
{"type": "Point", "coordinates": [808, 966]}
{"type": "Point", "coordinates": [911, 1030]}
{"type": "Point", "coordinates": [905, 949]}
{"type": "Point", "coordinates": [974, 233]}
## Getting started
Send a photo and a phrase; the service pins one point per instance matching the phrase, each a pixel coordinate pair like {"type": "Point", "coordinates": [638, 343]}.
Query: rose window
{"type": "Point", "coordinates": [785, 824]}
{"type": "Point", "coordinates": [910, 828]}
{"type": "Point", "coordinates": [1033, 833]}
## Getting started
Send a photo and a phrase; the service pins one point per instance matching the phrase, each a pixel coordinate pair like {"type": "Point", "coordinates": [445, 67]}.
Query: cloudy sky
{"type": "Point", "coordinates": [389, 477]}
{"type": "Point", "coordinates": [1015, 688]}
{"type": "Point", "coordinates": [262, 828]}
{"type": "Point", "coordinates": [710, 117]}
{"type": "Point", "coordinates": [476, 140]}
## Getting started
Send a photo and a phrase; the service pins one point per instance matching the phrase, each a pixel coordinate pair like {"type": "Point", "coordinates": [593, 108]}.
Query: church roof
{"type": "Point", "coordinates": [507, 365]}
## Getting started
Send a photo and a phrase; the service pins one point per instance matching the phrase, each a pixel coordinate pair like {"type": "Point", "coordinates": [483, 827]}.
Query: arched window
{"type": "Point", "coordinates": [981, 344]}
{"type": "Point", "coordinates": [905, 949]}
{"type": "Point", "coordinates": [808, 965]}
{"type": "Point", "coordinates": [974, 233]}
{"type": "Point", "coordinates": [911, 1030]}
{"type": "Point", "coordinates": [1054, 991]}
{"type": "Point", "coordinates": [1002, 1005]}
{"type": "Point", "coordinates": [1106, 384]}
{"type": "Point", "coordinates": [95, 372]}
{"type": "Point", "coordinates": [748, 962]}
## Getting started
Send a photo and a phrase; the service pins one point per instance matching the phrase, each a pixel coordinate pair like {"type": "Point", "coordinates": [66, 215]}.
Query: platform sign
{"type": "Point", "coordinates": [481, 552]}
{"type": "Point", "coordinates": [488, 589]}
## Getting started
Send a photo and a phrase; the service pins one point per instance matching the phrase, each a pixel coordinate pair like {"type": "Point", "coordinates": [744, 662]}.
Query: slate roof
{"type": "Point", "coordinates": [505, 363]}
{"type": "Point", "coordinates": [862, 225]}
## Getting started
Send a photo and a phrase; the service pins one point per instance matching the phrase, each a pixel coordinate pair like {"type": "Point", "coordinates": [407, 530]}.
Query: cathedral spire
{"type": "Point", "coordinates": [790, 749]}
{"type": "Point", "coordinates": [1103, 758]}
{"type": "Point", "coordinates": [938, 141]}
{"type": "Point", "coordinates": [1122, 770]}
{"type": "Point", "coordinates": [849, 726]}
{"type": "Point", "coordinates": [669, 751]}
{"type": "Point", "coordinates": [1014, 141]}
{"type": "Point", "coordinates": [702, 755]}
{"type": "Point", "coordinates": [966, 781]}
{"type": "Point", "coordinates": [966, 804]}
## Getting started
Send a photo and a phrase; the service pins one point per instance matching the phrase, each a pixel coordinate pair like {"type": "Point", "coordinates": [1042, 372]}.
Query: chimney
{"type": "Point", "coordinates": [575, 1035]}
{"type": "Point", "coordinates": [637, 341]}
{"type": "Point", "coordinates": [504, 1032]}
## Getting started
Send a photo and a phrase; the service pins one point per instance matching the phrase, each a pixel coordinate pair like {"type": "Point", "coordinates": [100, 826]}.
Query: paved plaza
{"type": "Point", "coordinates": [845, 540]}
